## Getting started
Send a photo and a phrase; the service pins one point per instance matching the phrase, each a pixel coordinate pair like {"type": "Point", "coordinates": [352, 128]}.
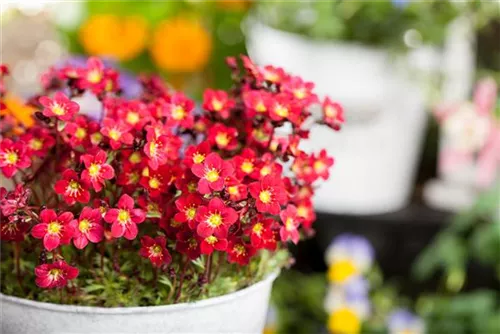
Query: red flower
{"type": "Point", "coordinates": [38, 142]}
{"type": "Point", "coordinates": [300, 90]}
{"type": "Point", "coordinates": [244, 163]}
{"type": "Point", "coordinates": [261, 231]}
{"type": "Point", "coordinates": [61, 106]}
{"type": "Point", "coordinates": [196, 154]}
{"type": "Point", "coordinates": [257, 102]}
{"type": "Point", "coordinates": [13, 228]}
{"type": "Point", "coordinates": [321, 164]}
{"type": "Point", "coordinates": [97, 170]}
{"type": "Point", "coordinates": [211, 243]}
{"type": "Point", "coordinates": [13, 157]}
{"type": "Point", "coordinates": [93, 77]}
{"type": "Point", "coordinates": [239, 252]}
{"type": "Point", "coordinates": [180, 111]}
{"type": "Point", "coordinates": [216, 218]}
{"type": "Point", "coordinates": [267, 166]}
{"type": "Point", "coordinates": [187, 206]}
{"type": "Point", "coordinates": [188, 243]}
{"type": "Point", "coordinates": [303, 168]}
{"type": "Point", "coordinates": [54, 275]}
{"type": "Point", "coordinates": [283, 107]}
{"type": "Point", "coordinates": [72, 188]}
{"type": "Point", "coordinates": [11, 201]}
{"type": "Point", "coordinates": [134, 113]}
{"type": "Point", "coordinates": [224, 137]}
{"type": "Point", "coordinates": [155, 250]}
{"type": "Point", "coordinates": [129, 176]}
{"type": "Point", "coordinates": [151, 207]}
{"type": "Point", "coordinates": [55, 230]}
{"type": "Point", "coordinates": [212, 173]}
{"type": "Point", "coordinates": [305, 210]}
{"type": "Point", "coordinates": [156, 181]}
{"type": "Point", "coordinates": [259, 135]}
{"type": "Point", "coordinates": [217, 101]}
{"type": "Point", "coordinates": [235, 189]}
{"type": "Point", "coordinates": [291, 222]}
{"type": "Point", "coordinates": [333, 114]}
{"type": "Point", "coordinates": [118, 133]}
{"type": "Point", "coordinates": [269, 194]}
{"type": "Point", "coordinates": [125, 218]}
{"type": "Point", "coordinates": [87, 228]}
{"type": "Point", "coordinates": [161, 146]}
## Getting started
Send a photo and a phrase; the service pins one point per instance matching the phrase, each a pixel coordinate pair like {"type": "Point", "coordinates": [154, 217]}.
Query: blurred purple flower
{"type": "Point", "coordinates": [403, 321]}
{"type": "Point", "coordinates": [351, 247]}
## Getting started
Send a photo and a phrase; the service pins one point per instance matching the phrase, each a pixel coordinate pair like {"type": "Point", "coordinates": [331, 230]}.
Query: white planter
{"type": "Point", "coordinates": [377, 150]}
{"type": "Point", "coordinates": [243, 311]}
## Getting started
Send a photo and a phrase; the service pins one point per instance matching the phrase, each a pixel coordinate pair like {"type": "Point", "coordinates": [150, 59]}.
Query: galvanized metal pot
{"type": "Point", "coordinates": [243, 311]}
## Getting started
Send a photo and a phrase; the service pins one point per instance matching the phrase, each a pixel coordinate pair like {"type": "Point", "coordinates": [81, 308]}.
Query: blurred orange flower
{"type": "Point", "coordinates": [22, 115]}
{"type": "Point", "coordinates": [122, 38]}
{"type": "Point", "coordinates": [181, 45]}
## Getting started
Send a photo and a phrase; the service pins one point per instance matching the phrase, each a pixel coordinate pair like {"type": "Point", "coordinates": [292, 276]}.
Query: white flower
{"type": "Point", "coordinates": [465, 130]}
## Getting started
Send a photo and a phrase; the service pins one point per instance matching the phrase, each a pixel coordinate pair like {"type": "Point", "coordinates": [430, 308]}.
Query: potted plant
{"type": "Point", "coordinates": [379, 59]}
{"type": "Point", "coordinates": [149, 215]}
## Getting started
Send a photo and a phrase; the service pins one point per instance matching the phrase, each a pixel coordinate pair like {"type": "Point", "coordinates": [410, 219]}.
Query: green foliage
{"type": "Point", "coordinates": [473, 234]}
{"type": "Point", "coordinates": [119, 279]}
{"type": "Point", "coordinates": [299, 302]}
{"type": "Point", "coordinates": [475, 312]}
{"type": "Point", "coordinates": [369, 22]}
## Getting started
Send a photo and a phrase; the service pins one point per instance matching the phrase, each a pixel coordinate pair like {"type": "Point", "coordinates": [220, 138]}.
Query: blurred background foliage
{"type": "Point", "coordinates": [186, 41]}
{"type": "Point", "coordinates": [395, 24]}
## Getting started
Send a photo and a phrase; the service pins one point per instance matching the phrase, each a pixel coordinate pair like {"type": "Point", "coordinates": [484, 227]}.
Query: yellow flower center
{"type": "Point", "coordinates": [319, 166]}
{"type": "Point", "coordinates": [299, 93]}
{"type": "Point", "coordinates": [11, 157]}
{"type": "Point", "coordinates": [36, 144]}
{"type": "Point", "coordinates": [54, 273]}
{"type": "Point", "coordinates": [198, 158]}
{"type": "Point", "coordinates": [114, 134]}
{"type": "Point", "coordinates": [341, 270]}
{"type": "Point", "coordinates": [191, 212]}
{"type": "Point", "coordinates": [80, 133]}
{"type": "Point", "coordinates": [265, 196]}
{"type": "Point", "coordinates": [257, 228]}
{"type": "Point", "coordinates": [344, 321]}
{"type": "Point", "coordinates": [239, 249]}
{"type": "Point", "coordinates": [94, 76]}
{"type": "Point", "coordinates": [133, 178]}
{"type": "Point", "coordinates": [84, 226]}
{"type": "Point", "coordinates": [217, 105]}
{"type": "Point", "coordinates": [192, 187]}
{"type": "Point", "coordinates": [135, 158]}
{"type": "Point", "coordinates": [193, 243]}
{"type": "Point", "coordinates": [302, 211]}
{"type": "Point", "coordinates": [74, 185]}
{"type": "Point", "coordinates": [94, 170]}
{"type": "Point", "coordinates": [211, 240]}
{"type": "Point", "coordinates": [214, 220]}
{"type": "Point", "coordinates": [154, 183]}
{"type": "Point", "coordinates": [132, 117]}
{"type": "Point", "coordinates": [247, 166]}
{"type": "Point", "coordinates": [260, 107]}
{"type": "Point", "coordinates": [96, 138]}
{"type": "Point", "coordinates": [289, 224]}
{"type": "Point", "coordinates": [58, 110]}
{"type": "Point", "coordinates": [54, 227]}
{"type": "Point", "coordinates": [155, 250]}
{"type": "Point", "coordinates": [123, 216]}
{"type": "Point", "coordinates": [178, 113]}
{"type": "Point", "coordinates": [153, 149]}
{"type": "Point", "coordinates": [233, 190]}
{"type": "Point", "coordinates": [281, 111]}
{"type": "Point", "coordinates": [266, 170]}
{"type": "Point", "coordinates": [330, 112]}
{"type": "Point", "coordinates": [212, 175]}
{"type": "Point", "coordinates": [222, 139]}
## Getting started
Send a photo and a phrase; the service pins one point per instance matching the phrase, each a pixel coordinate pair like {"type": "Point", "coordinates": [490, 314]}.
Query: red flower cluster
{"type": "Point", "coordinates": [199, 182]}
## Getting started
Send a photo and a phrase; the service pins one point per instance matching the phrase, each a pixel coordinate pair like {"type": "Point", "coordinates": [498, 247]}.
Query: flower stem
{"type": "Point", "coordinates": [17, 257]}
{"type": "Point", "coordinates": [181, 281]}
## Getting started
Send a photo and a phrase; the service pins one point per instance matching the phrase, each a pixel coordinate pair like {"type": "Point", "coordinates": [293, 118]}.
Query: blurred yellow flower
{"type": "Point", "coordinates": [22, 113]}
{"type": "Point", "coordinates": [344, 321]}
{"type": "Point", "coordinates": [181, 45]}
{"type": "Point", "coordinates": [341, 271]}
{"type": "Point", "coordinates": [122, 38]}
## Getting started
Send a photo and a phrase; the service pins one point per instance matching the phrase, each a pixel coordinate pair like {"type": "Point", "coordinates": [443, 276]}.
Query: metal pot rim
{"type": "Point", "coordinates": [138, 309]}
